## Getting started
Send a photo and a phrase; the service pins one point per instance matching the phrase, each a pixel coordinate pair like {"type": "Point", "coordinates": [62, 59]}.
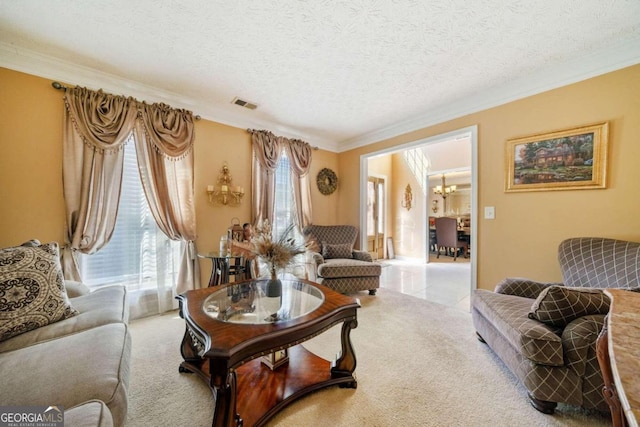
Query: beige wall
{"type": "Point", "coordinates": [523, 239]}
{"type": "Point", "coordinates": [409, 234]}
{"type": "Point", "coordinates": [31, 202]}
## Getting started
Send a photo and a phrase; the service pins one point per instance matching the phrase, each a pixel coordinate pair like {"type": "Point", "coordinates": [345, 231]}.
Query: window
{"type": "Point", "coordinates": [283, 213]}
{"type": "Point", "coordinates": [138, 255]}
{"type": "Point", "coordinates": [284, 210]}
{"type": "Point", "coordinates": [419, 165]}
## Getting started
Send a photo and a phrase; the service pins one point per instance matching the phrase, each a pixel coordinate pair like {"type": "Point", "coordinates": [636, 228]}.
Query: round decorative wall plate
{"type": "Point", "coordinates": [327, 181]}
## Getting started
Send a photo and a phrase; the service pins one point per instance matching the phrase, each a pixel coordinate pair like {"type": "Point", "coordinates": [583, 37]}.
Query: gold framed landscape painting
{"type": "Point", "coordinates": [568, 159]}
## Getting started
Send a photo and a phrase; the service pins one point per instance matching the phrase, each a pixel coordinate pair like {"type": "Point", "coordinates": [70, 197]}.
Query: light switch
{"type": "Point", "coordinates": [489, 212]}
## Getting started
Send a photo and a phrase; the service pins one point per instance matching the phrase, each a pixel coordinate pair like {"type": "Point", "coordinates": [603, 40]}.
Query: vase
{"type": "Point", "coordinates": [272, 300]}
{"type": "Point", "coordinates": [273, 288]}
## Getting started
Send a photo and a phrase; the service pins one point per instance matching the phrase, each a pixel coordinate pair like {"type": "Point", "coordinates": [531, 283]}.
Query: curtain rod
{"type": "Point", "coordinates": [60, 86]}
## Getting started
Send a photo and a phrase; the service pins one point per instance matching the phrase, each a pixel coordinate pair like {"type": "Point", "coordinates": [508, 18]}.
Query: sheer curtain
{"type": "Point", "coordinates": [96, 127]}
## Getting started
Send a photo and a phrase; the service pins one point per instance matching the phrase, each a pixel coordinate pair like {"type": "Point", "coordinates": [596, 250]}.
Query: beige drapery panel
{"type": "Point", "coordinates": [96, 127]}
{"type": "Point", "coordinates": [164, 147]}
{"type": "Point", "coordinates": [267, 149]}
{"type": "Point", "coordinates": [266, 155]}
{"type": "Point", "coordinates": [299, 154]}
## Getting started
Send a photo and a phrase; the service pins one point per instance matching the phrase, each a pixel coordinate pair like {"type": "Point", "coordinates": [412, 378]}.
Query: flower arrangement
{"type": "Point", "coordinates": [279, 254]}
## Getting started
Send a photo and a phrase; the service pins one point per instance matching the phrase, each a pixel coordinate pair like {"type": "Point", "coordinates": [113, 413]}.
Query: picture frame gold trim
{"type": "Point", "coordinates": [570, 159]}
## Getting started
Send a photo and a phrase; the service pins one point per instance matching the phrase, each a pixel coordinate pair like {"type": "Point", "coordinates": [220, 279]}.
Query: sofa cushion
{"type": "Point", "coordinates": [535, 340]}
{"type": "Point", "coordinates": [348, 268]}
{"type": "Point", "coordinates": [76, 289]}
{"type": "Point", "coordinates": [560, 305]}
{"type": "Point", "coordinates": [100, 307]}
{"type": "Point", "coordinates": [93, 364]}
{"type": "Point", "coordinates": [32, 292]}
{"type": "Point", "coordinates": [338, 250]}
{"type": "Point", "coordinates": [93, 413]}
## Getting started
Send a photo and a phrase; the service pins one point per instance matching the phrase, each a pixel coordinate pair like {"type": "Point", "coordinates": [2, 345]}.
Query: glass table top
{"type": "Point", "coordinates": [218, 254]}
{"type": "Point", "coordinates": [262, 301]}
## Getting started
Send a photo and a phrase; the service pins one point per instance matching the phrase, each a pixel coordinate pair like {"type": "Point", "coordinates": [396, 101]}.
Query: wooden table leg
{"type": "Point", "coordinates": [609, 390]}
{"type": "Point", "coordinates": [224, 386]}
{"type": "Point", "coordinates": [345, 365]}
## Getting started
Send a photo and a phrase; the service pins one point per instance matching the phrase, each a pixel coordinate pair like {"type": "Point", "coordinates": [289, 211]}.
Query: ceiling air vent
{"type": "Point", "coordinates": [245, 104]}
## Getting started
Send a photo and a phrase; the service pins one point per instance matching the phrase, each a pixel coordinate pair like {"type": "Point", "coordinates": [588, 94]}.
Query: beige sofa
{"type": "Point", "coordinates": [80, 362]}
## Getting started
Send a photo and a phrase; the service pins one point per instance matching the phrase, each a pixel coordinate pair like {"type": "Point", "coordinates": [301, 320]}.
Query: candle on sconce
{"type": "Point", "coordinates": [225, 188]}
{"type": "Point", "coordinates": [209, 188]}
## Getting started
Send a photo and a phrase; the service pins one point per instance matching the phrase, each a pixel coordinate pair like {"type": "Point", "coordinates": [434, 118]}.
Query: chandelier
{"type": "Point", "coordinates": [443, 190]}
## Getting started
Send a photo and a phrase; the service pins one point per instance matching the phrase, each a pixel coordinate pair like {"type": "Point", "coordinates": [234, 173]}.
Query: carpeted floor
{"type": "Point", "coordinates": [418, 364]}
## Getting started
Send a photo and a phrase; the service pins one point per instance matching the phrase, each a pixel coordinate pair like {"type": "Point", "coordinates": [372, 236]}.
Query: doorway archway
{"type": "Point", "coordinates": [471, 133]}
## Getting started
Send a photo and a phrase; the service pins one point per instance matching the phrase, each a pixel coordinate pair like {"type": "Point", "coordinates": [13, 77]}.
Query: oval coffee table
{"type": "Point", "coordinates": [243, 340]}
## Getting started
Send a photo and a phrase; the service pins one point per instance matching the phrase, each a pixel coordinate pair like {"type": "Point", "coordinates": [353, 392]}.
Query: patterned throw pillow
{"type": "Point", "coordinates": [560, 305]}
{"type": "Point", "coordinates": [336, 251]}
{"type": "Point", "coordinates": [32, 292]}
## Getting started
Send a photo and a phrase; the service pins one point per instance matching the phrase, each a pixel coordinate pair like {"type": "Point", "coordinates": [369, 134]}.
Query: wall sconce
{"type": "Point", "coordinates": [434, 206]}
{"type": "Point", "coordinates": [225, 193]}
{"type": "Point", "coordinates": [408, 198]}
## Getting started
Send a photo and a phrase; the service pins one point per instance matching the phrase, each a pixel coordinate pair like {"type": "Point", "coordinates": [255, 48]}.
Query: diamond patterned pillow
{"type": "Point", "coordinates": [560, 305]}
{"type": "Point", "coordinates": [336, 251]}
{"type": "Point", "coordinates": [32, 292]}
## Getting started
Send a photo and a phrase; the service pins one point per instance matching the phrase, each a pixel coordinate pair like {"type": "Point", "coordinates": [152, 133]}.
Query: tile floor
{"type": "Point", "coordinates": [441, 281]}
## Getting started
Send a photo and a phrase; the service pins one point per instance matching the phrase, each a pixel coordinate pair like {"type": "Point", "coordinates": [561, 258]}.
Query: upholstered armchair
{"type": "Point", "coordinates": [332, 261]}
{"type": "Point", "coordinates": [546, 333]}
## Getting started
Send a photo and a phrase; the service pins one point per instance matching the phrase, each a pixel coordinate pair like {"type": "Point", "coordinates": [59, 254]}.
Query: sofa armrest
{"type": "Point", "coordinates": [75, 289]}
{"type": "Point", "coordinates": [361, 255]}
{"type": "Point", "coordinates": [579, 341]}
{"type": "Point", "coordinates": [315, 258]}
{"type": "Point", "coordinates": [313, 261]}
{"type": "Point", "coordinates": [522, 287]}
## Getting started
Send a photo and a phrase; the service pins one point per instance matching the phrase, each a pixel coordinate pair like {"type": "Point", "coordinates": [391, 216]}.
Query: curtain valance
{"type": "Point", "coordinates": [169, 129]}
{"type": "Point", "coordinates": [267, 148]}
{"type": "Point", "coordinates": [104, 122]}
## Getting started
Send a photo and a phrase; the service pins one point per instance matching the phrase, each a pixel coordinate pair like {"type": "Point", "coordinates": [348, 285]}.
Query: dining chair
{"type": "Point", "coordinates": [447, 237]}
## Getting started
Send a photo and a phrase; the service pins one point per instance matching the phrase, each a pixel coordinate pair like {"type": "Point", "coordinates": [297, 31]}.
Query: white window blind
{"type": "Point", "coordinates": [284, 203]}
{"type": "Point", "coordinates": [138, 255]}
{"type": "Point", "coordinates": [283, 214]}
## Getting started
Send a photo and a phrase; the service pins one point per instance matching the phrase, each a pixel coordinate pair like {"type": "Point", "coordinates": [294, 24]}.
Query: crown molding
{"type": "Point", "coordinates": [611, 58]}
{"type": "Point", "coordinates": [48, 67]}
{"type": "Point", "coordinates": [602, 61]}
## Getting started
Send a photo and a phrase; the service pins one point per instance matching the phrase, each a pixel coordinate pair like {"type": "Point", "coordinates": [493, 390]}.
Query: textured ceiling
{"type": "Point", "coordinates": [335, 73]}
